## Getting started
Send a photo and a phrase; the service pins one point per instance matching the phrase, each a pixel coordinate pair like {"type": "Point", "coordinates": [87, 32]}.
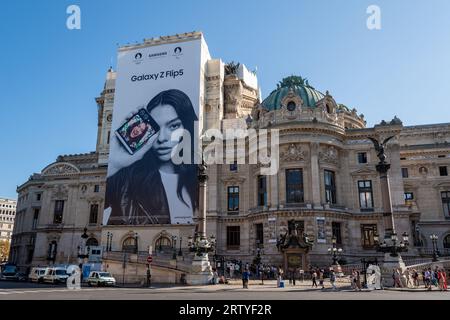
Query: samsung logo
{"type": "Point", "coordinates": [159, 54]}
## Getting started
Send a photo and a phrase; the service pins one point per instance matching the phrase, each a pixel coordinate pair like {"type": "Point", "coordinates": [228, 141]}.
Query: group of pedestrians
{"type": "Point", "coordinates": [413, 277]}
{"type": "Point", "coordinates": [319, 274]}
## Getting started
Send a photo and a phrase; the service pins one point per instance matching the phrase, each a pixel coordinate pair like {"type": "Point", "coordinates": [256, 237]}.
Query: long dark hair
{"type": "Point", "coordinates": [185, 111]}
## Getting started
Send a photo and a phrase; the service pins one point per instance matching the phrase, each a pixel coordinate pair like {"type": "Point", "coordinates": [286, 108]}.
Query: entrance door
{"type": "Point", "coordinates": [294, 261]}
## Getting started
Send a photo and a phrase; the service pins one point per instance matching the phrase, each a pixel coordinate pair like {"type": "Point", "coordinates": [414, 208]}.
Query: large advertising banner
{"type": "Point", "coordinates": [156, 108]}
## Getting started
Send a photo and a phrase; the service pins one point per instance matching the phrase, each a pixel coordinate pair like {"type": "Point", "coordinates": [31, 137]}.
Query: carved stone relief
{"type": "Point", "coordinates": [293, 152]}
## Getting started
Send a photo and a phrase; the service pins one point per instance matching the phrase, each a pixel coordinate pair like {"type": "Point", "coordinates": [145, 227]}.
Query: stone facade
{"type": "Point", "coordinates": [7, 218]}
{"type": "Point", "coordinates": [316, 135]}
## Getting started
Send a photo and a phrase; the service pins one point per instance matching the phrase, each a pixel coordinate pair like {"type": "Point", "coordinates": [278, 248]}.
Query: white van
{"type": "Point", "coordinates": [56, 275]}
{"type": "Point", "coordinates": [37, 274]}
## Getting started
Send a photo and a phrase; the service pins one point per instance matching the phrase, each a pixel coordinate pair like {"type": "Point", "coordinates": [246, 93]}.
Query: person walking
{"type": "Point", "coordinates": [279, 276]}
{"type": "Point", "coordinates": [293, 276]}
{"type": "Point", "coordinates": [321, 279]}
{"type": "Point", "coordinates": [353, 279]}
{"type": "Point", "coordinates": [313, 278]}
{"type": "Point", "coordinates": [358, 280]}
{"type": "Point", "coordinates": [396, 276]}
{"type": "Point", "coordinates": [333, 279]}
{"type": "Point", "coordinates": [215, 278]}
{"type": "Point", "coordinates": [407, 275]}
{"type": "Point", "coordinates": [427, 279]}
{"type": "Point", "coordinates": [415, 277]}
{"type": "Point", "coordinates": [245, 277]}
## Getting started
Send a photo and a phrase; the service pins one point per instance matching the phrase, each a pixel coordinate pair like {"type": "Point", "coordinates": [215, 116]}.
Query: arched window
{"type": "Point", "coordinates": [91, 242]}
{"type": "Point", "coordinates": [446, 242]}
{"type": "Point", "coordinates": [328, 108]}
{"type": "Point", "coordinates": [163, 244]}
{"type": "Point", "coordinates": [129, 245]}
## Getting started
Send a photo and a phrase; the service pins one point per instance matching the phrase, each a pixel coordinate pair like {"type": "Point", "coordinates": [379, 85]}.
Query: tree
{"type": "Point", "coordinates": [4, 250]}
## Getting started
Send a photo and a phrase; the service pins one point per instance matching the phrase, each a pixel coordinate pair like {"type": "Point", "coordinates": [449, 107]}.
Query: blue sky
{"type": "Point", "coordinates": [50, 75]}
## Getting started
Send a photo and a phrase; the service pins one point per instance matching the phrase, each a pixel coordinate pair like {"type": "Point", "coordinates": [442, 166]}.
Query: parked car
{"type": "Point", "coordinates": [100, 278]}
{"type": "Point", "coordinates": [37, 274]}
{"type": "Point", "coordinates": [55, 275]}
{"type": "Point", "coordinates": [9, 272]}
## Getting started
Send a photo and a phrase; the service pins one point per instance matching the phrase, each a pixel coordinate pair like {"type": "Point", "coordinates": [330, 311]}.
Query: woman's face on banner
{"type": "Point", "coordinates": [169, 122]}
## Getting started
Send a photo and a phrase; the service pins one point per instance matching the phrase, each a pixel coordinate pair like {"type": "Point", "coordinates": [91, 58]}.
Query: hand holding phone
{"type": "Point", "coordinates": [137, 131]}
{"type": "Point", "coordinates": [125, 153]}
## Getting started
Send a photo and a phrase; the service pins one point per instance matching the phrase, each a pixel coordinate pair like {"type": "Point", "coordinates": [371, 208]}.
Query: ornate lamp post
{"type": "Point", "coordinates": [434, 239]}
{"type": "Point", "coordinates": [174, 247]}
{"type": "Point", "coordinates": [180, 253]}
{"type": "Point", "coordinates": [390, 245]}
{"type": "Point", "coordinates": [394, 249]}
{"type": "Point", "coordinates": [83, 251]}
{"type": "Point", "coordinates": [334, 251]}
{"type": "Point", "coordinates": [201, 271]}
{"type": "Point", "coordinates": [136, 242]}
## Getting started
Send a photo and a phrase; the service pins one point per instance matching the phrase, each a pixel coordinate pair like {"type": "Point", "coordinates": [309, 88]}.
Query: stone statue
{"type": "Point", "coordinates": [374, 277]}
{"type": "Point", "coordinates": [380, 147]}
{"type": "Point", "coordinates": [231, 68]}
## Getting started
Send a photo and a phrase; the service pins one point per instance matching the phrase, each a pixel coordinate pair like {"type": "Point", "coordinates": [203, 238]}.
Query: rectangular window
{"type": "Point", "coordinates": [362, 157]}
{"type": "Point", "coordinates": [367, 233]}
{"type": "Point", "coordinates": [93, 216]}
{"type": "Point", "coordinates": [109, 137]}
{"type": "Point", "coordinates": [233, 166]}
{"type": "Point", "coordinates": [294, 185]}
{"type": "Point", "coordinates": [96, 188]}
{"type": "Point", "coordinates": [262, 190]}
{"type": "Point", "coordinates": [35, 218]}
{"type": "Point", "coordinates": [58, 213]}
{"type": "Point", "coordinates": [365, 195]}
{"type": "Point", "coordinates": [233, 237]}
{"type": "Point", "coordinates": [38, 196]}
{"type": "Point", "coordinates": [259, 235]}
{"type": "Point", "coordinates": [409, 196]}
{"type": "Point", "coordinates": [445, 195]}
{"type": "Point", "coordinates": [233, 198]}
{"type": "Point", "coordinates": [336, 229]}
{"type": "Point", "coordinates": [443, 171]}
{"type": "Point", "coordinates": [330, 187]}
{"type": "Point", "coordinates": [405, 173]}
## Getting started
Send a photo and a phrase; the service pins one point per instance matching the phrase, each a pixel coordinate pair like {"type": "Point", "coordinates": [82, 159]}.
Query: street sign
{"type": "Point", "coordinates": [149, 259]}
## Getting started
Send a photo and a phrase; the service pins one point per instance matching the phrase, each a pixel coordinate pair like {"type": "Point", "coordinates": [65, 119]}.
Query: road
{"type": "Point", "coordinates": [19, 291]}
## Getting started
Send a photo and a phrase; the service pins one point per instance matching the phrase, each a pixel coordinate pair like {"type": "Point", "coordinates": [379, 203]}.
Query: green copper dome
{"type": "Point", "coordinates": [299, 86]}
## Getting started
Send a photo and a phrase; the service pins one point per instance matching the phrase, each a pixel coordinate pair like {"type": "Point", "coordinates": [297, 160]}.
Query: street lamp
{"type": "Point", "coordinates": [82, 252]}
{"type": "Point", "coordinates": [174, 247]}
{"type": "Point", "coordinates": [334, 251]}
{"type": "Point", "coordinates": [394, 248]}
{"type": "Point", "coordinates": [136, 242]}
{"type": "Point", "coordinates": [434, 239]}
{"type": "Point", "coordinates": [180, 253]}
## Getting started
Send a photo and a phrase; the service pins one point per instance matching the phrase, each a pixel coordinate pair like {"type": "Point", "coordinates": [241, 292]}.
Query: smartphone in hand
{"type": "Point", "coordinates": [136, 131]}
